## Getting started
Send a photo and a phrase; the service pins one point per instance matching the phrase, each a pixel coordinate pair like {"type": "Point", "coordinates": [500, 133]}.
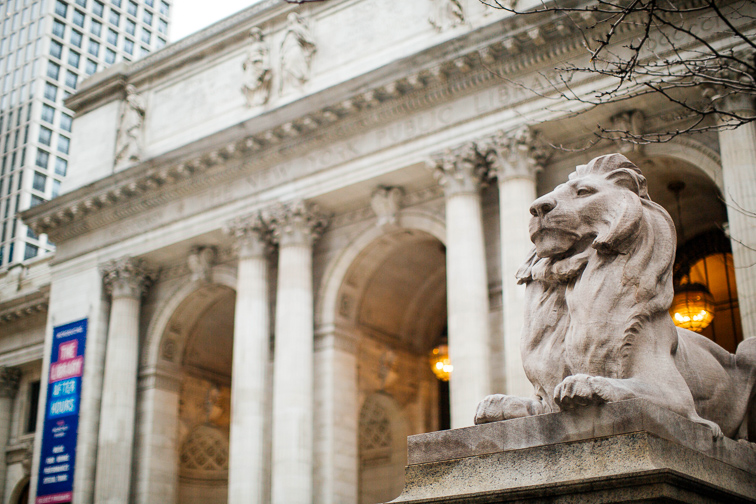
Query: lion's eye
{"type": "Point", "coordinates": [584, 191]}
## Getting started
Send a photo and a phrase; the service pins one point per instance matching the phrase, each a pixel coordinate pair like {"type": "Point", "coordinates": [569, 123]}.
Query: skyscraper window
{"type": "Point", "coordinates": [30, 48]}
{"type": "Point", "coordinates": [76, 38]}
{"type": "Point", "coordinates": [61, 8]}
{"type": "Point", "coordinates": [78, 18]}
{"type": "Point", "coordinates": [73, 58]}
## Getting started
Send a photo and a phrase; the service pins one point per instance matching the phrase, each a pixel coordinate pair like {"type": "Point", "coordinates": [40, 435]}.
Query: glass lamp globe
{"type": "Point", "coordinates": [440, 362]}
{"type": "Point", "coordinates": [692, 307]}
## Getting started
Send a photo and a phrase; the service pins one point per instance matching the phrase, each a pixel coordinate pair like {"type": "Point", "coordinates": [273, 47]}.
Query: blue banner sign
{"type": "Point", "coordinates": [58, 458]}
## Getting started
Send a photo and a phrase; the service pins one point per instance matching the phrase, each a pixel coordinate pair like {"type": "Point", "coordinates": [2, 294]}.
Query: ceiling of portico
{"type": "Point", "coordinates": [400, 285]}
{"type": "Point", "coordinates": [208, 351]}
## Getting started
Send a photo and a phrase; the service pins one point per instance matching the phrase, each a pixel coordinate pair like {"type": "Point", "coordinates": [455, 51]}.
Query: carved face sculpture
{"type": "Point", "coordinates": [599, 207]}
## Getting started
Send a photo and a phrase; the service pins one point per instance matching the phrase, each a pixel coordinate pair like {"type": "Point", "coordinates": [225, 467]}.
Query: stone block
{"type": "Point", "coordinates": [628, 451]}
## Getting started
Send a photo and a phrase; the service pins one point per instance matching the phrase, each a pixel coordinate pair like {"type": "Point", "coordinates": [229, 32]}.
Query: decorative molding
{"type": "Point", "coordinates": [9, 381]}
{"type": "Point", "coordinates": [518, 154]}
{"type": "Point", "coordinates": [461, 170]}
{"type": "Point", "coordinates": [252, 235]}
{"type": "Point", "coordinates": [127, 277]}
{"type": "Point", "coordinates": [297, 223]}
{"type": "Point", "coordinates": [632, 122]}
{"type": "Point", "coordinates": [24, 306]}
{"type": "Point", "coordinates": [158, 181]}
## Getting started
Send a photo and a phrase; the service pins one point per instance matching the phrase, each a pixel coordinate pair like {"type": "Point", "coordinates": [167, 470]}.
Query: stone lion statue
{"type": "Point", "coordinates": [597, 327]}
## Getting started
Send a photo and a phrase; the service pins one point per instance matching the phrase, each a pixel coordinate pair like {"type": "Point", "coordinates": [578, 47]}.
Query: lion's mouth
{"type": "Point", "coordinates": [558, 243]}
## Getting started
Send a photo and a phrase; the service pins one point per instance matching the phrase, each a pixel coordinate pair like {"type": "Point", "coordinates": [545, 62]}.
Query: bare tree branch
{"type": "Point", "coordinates": [661, 48]}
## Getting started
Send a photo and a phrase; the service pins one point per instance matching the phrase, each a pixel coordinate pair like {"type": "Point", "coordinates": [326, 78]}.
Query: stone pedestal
{"type": "Point", "coordinates": [629, 451]}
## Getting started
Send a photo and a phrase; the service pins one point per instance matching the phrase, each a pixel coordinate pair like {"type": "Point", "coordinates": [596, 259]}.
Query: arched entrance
{"type": "Point", "coordinates": [184, 401]}
{"type": "Point", "coordinates": [393, 301]}
{"type": "Point", "coordinates": [205, 403]}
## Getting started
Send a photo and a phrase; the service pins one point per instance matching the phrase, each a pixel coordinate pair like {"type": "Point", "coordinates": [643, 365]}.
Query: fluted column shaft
{"type": "Point", "coordinates": [460, 173]}
{"type": "Point", "coordinates": [515, 159]}
{"type": "Point", "coordinates": [295, 227]}
{"type": "Point", "coordinates": [125, 280]}
{"type": "Point", "coordinates": [9, 379]}
{"type": "Point", "coordinates": [738, 150]}
{"type": "Point", "coordinates": [249, 380]}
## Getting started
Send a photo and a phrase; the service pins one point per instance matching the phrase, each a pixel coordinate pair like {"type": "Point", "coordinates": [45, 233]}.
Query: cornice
{"type": "Point", "coordinates": [433, 76]}
{"type": "Point", "coordinates": [24, 306]}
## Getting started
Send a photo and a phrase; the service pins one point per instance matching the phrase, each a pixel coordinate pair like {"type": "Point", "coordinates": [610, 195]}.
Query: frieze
{"type": "Point", "coordinates": [80, 212]}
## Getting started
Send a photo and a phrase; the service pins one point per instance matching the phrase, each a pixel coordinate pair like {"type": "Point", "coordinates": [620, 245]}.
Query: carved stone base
{"type": "Point", "coordinates": [630, 451]}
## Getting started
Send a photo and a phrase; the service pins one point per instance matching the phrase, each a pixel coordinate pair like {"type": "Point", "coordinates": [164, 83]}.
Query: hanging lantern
{"type": "Point", "coordinates": [440, 362]}
{"type": "Point", "coordinates": [692, 307]}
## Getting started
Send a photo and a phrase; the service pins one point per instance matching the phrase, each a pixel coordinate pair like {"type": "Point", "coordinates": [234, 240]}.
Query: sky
{"type": "Point", "coordinates": [190, 16]}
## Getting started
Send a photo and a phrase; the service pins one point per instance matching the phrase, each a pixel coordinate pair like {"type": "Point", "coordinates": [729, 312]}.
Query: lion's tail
{"type": "Point", "coordinates": [745, 359]}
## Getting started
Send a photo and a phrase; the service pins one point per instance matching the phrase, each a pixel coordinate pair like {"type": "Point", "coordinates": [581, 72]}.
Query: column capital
{"type": "Point", "coordinates": [728, 98]}
{"type": "Point", "coordinates": [127, 277]}
{"type": "Point", "coordinates": [516, 154]}
{"type": "Point", "coordinates": [297, 223]}
{"type": "Point", "coordinates": [252, 235]}
{"type": "Point", "coordinates": [461, 170]}
{"type": "Point", "coordinates": [9, 380]}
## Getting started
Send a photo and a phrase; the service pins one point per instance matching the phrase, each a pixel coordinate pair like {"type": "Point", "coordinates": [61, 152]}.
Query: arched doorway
{"type": "Point", "coordinates": [393, 299]}
{"type": "Point", "coordinates": [205, 402]}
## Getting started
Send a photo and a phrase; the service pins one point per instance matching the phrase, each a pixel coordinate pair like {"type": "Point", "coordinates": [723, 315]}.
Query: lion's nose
{"type": "Point", "coordinates": [542, 206]}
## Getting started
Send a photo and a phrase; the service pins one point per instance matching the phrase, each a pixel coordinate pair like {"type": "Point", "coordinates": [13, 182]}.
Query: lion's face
{"type": "Point", "coordinates": [592, 210]}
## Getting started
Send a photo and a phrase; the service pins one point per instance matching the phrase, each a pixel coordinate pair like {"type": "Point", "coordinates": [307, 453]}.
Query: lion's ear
{"type": "Point", "coordinates": [630, 180]}
{"type": "Point", "coordinates": [625, 225]}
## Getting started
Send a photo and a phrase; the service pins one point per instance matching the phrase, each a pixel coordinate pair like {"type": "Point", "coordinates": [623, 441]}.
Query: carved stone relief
{"type": "Point", "coordinates": [446, 14]}
{"type": "Point", "coordinates": [129, 139]}
{"type": "Point", "coordinates": [297, 50]}
{"type": "Point", "coordinates": [386, 203]}
{"type": "Point", "coordinates": [258, 74]}
{"type": "Point", "coordinates": [200, 263]}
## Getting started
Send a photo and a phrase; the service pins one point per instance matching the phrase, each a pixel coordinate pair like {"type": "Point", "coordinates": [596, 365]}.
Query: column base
{"type": "Point", "coordinates": [630, 451]}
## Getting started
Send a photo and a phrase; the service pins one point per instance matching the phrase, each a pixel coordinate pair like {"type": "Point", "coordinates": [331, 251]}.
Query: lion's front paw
{"type": "Point", "coordinates": [578, 390]}
{"type": "Point", "coordinates": [498, 407]}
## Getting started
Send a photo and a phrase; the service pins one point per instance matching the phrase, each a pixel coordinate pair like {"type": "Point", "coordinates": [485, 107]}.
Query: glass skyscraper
{"type": "Point", "coordinates": [47, 48]}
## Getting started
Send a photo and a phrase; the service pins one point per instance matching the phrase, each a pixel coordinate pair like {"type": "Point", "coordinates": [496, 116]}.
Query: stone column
{"type": "Point", "coordinates": [738, 149]}
{"type": "Point", "coordinates": [336, 418]}
{"type": "Point", "coordinates": [461, 172]}
{"type": "Point", "coordinates": [295, 227]}
{"type": "Point", "coordinates": [515, 159]}
{"type": "Point", "coordinates": [249, 378]}
{"type": "Point", "coordinates": [156, 467]}
{"type": "Point", "coordinates": [125, 280]}
{"type": "Point", "coordinates": [9, 379]}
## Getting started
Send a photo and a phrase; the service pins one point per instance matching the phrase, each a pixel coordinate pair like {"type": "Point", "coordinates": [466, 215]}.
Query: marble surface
{"type": "Point", "coordinates": [632, 447]}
